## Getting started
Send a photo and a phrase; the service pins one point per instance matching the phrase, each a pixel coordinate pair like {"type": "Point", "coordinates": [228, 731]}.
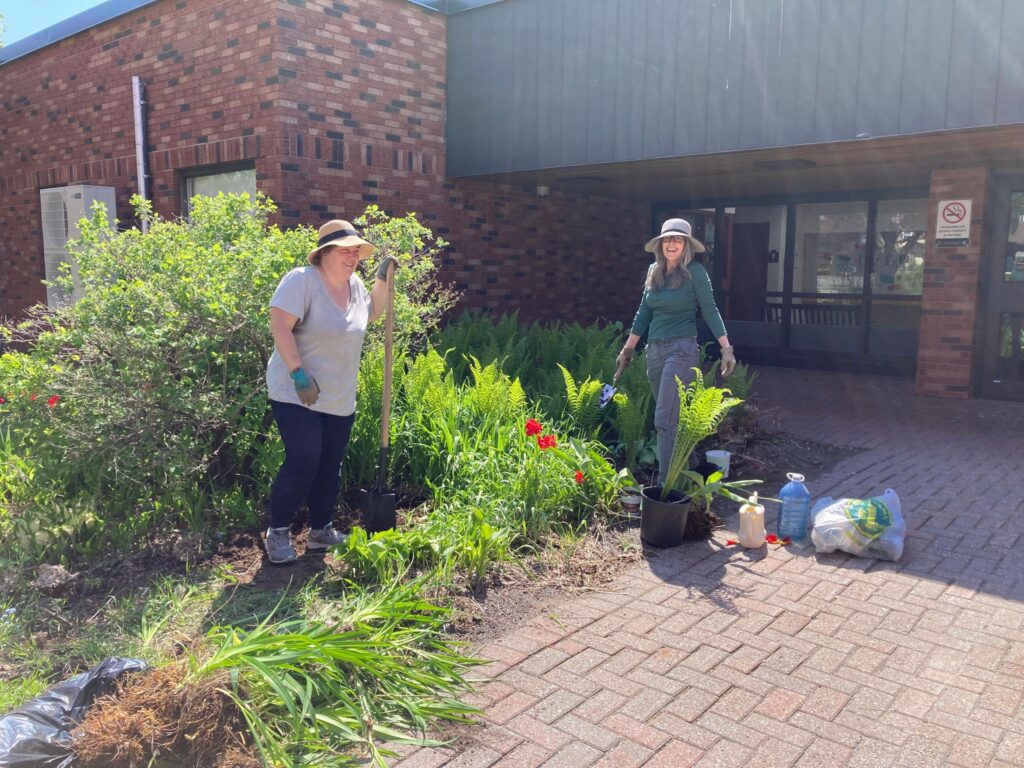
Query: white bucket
{"type": "Point", "coordinates": [630, 499]}
{"type": "Point", "coordinates": [721, 458]}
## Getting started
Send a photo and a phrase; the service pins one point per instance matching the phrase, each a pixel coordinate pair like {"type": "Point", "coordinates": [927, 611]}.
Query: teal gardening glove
{"type": "Point", "coordinates": [382, 268]}
{"type": "Point", "coordinates": [305, 386]}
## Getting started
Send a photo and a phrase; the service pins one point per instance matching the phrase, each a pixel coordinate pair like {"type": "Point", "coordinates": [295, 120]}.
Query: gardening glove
{"type": "Point", "coordinates": [382, 268]}
{"type": "Point", "coordinates": [624, 358]}
{"type": "Point", "coordinates": [728, 362]}
{"type": "Point", "coordinates": [305, 386]}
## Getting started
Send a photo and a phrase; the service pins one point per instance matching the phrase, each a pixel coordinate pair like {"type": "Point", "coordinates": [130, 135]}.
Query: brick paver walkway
{"type": "Point", "coordinates": [715, 656]}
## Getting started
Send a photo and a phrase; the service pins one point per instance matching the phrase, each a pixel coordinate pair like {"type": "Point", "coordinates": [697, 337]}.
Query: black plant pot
{"type": "Point", "coordinates": [662, 523]}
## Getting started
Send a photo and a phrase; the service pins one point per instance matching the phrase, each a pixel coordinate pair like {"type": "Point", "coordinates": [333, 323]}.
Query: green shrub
{"type": "Point", "coordinates": [162, 418]}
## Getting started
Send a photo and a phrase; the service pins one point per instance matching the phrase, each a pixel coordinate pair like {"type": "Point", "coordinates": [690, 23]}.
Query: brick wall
{"type": "Point", "coordinates": [365, 124]}
{"type": "Point", "coordinates": [337, 104]}
{"type": "Point", "coordinates": [66, 115]}
{"type": "Point", "coordinates": [949, 298]}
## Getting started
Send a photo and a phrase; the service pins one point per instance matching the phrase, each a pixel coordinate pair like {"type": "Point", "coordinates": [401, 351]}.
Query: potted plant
{"type": "Point", "coordinates": [665, 508]}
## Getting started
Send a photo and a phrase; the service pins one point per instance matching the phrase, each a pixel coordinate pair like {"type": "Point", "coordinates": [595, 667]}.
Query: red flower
{"type": "Point", "coordinates": [731, 542]}
{"type": "Point", "coordinates": [53, 400]}
{"type": "Point", "coordinates": [546, 441]}
{"type": "Point", "coordinates": [32, 396]}
{"type": "Point", "coordinates": [771, 538]}
{"type": "Point", "coordinates": [579, 477]}
{"type": "Point", "coordinates": [533, 427]}
{"type": "Point", "coordinates": [2, 400]}
{"type": "Point", "coordinates": [787, 540]}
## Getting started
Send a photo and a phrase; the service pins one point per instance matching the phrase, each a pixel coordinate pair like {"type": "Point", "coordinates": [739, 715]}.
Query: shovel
{"type": "Point", "coordinates": [608, 390]}
{"type": "Point", "coordinates": [377, 506]}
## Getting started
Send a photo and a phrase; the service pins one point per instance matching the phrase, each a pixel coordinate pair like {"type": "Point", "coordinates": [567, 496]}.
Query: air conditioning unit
{"type": "Point", "coordinates": [62, 208]}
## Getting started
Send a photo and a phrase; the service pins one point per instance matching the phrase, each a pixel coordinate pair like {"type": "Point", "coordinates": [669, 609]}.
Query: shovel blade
{"type": "Point", "coordinates": [378, 510]}
{"type": "Point", "coordinates": [607, 392]}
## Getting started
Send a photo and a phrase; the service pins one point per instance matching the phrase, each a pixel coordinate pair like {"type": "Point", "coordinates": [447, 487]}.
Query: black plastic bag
{"type": "Point", "coordinates": [38, 735]}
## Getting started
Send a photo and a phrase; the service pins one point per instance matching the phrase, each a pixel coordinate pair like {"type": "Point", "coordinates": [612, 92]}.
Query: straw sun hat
{"type": "Point", "coordinates": [676, 228]}
{"type": "Point", "coordinates": [340, 232]}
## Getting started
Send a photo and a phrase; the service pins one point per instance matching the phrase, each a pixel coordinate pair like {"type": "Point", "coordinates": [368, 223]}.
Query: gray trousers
{"type": "Point", "coordinates": [666, 360]}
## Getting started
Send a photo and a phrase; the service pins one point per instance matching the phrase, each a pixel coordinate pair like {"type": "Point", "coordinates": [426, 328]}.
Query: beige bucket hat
{"type": "Point", "coordinates": [340, 232]}
{"type": "Point", "coordinates": [676, 227]}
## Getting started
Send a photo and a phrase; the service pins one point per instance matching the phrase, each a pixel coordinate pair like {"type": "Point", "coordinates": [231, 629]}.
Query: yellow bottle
{"type": "Point", "coordinates": [752, 524]}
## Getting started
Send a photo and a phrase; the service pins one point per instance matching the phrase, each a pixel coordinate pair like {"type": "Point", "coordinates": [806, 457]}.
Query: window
{"type": "Point", "coordinates": [831, 240]}
{"type": "Point", "coordinates": [1014, 272]}
{"type": "Point", "coordinates": [228, 181]}
{"type": "Point", "coordinates": [899, 256]}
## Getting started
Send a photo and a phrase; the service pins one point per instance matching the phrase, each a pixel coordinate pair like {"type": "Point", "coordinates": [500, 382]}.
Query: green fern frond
{"type": "Point", "coordinates": [701, 411]}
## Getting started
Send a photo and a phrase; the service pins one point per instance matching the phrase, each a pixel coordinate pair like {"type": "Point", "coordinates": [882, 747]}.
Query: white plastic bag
{"type": "Point", "coordinates": [867, 527]}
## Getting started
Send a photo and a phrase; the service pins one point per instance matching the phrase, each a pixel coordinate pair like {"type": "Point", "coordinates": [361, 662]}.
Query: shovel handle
{"type": "Point", "coordinates": [389, 341]}
{"type": "Point", "coordinates": [618, 372]}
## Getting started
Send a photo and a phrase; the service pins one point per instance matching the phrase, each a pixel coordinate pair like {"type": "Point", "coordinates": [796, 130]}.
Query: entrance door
{"type": "Point", "coordinates": [748, 271]}
{"type": "Point", "coordinates": [1001, 344]}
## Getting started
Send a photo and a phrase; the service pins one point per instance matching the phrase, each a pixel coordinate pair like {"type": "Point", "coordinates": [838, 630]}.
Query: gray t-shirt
{"type": "Point", "coordinates": [330, 340]}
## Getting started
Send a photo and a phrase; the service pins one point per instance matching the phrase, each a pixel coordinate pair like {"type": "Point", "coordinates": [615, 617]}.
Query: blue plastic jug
{"type": "Point", "coordinates": [796, 505]}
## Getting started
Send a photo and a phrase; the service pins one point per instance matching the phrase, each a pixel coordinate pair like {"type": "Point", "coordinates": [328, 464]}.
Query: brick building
{"type": "Point", "coordinates": [811, 149]}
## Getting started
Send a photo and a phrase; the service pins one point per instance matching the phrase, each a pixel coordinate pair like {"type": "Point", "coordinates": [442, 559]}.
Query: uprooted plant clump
{"type": "Point", "coordinates": [159, 718]}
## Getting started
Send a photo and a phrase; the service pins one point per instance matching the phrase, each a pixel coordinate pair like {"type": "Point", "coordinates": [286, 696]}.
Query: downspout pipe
{"type": "Point", "coordinates": [141, 171]}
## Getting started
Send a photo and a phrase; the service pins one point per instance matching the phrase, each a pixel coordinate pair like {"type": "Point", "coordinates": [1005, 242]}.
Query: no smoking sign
{"type": "Point", "coordinates": [953, 224]}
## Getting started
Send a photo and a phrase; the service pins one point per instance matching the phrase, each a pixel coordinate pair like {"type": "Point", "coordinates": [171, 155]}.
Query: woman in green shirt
{"type": "Point", "coordinates": [676, 286]}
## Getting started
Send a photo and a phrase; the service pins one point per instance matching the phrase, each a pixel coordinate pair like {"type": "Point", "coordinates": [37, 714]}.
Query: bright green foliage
{"type": "Point", "coordinates": [143, 405]}
{"type": "Point", "coordinates": [495, 489]}
{"type": "Point", "coordinates": [328, 693]}
{"type": "Point", "coordinates": [630, 420]}
{"type": "Point", "coordinates": [583, 402]}
{"type": "Point", "coordinates": [560, 367]}
{"type": "Point", "coordinates": [420, 300]}
{"type": "Point", "coordinates": [701, 410]}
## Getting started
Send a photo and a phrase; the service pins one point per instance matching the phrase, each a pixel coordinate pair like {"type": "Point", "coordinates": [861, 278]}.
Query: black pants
{"type": "Point", "coordinates": [314, 447]}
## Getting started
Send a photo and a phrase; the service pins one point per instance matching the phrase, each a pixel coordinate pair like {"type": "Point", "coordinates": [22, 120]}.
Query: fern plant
{"type": "Point", "coordinates": [631, 423]}
{"type": "Point", "coordinates": [583, 402]}
{"type": "Point", "coordinates": [701, 411]}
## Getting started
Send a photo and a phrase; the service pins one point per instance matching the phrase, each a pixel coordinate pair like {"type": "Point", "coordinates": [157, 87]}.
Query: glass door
{"type": "Point", "coordinates": [1001, 343]}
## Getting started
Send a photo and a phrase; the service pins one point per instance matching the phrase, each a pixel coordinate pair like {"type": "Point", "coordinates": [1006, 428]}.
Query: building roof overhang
{"type": "Point", "coordinates": [891, 162]}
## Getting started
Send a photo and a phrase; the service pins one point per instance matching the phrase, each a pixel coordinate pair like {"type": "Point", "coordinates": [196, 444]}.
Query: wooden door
{"type": "Point", "coordinates": [748, 271]}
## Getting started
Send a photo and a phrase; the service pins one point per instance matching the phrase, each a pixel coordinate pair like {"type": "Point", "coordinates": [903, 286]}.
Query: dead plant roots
{"type": "Point", "coordinates": [156, 718]}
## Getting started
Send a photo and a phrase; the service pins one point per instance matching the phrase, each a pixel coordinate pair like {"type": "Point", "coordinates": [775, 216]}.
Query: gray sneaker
{"type": "Point", "coordinates": [279, 546]}
{"type": "Point", "coordinates": [322, 538]}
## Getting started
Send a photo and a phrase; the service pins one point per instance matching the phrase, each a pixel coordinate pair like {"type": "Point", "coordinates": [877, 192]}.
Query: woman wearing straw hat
{"type": "Point", "coordinates": [676, 287]}
{"type": "Point", "coordinates": [318, 317]}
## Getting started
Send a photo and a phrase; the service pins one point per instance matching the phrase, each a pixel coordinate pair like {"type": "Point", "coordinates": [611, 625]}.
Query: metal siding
{"type": "Point", "coordinates": [798, 68]}
{"type": "Point", "coordinates": [926, 65]}
{"type": "Point", "coordinates": [985, 72]}
{"type": "Point", "coordinates": [839, 41]}
{"type": "Point", "coordinates": [633, 68]}
{"type": "Point", "coordinates": [774, 86]}
{"type": "Point", "coordinates": [1010, 90]}
{"type": "Point", "coordinates": [500, 122]}
{"type": "Point", "coordinates": [550, 83]}
{"type": "Point", "coordinates": [575, 82]}
{"type": "Point", "coordinates": [961, 64]}
{"type": "Point", "coordinates": [755, 74]}
{"type": "Point", "coordinates": [468, 97]}
{"type": "Point", "coordinates": [690, 127]}
{"type": "Point", "coordinates": [601, 85]}
{"type": "Point", "coordinates": [724, 71]}
{"type": "Point", "coordinates": [524, 102]}
{"type": "Point", "coordinates": [881, 67]}
{"type": "Point", "coordinates": [663, 46]}
{"type": "Point", "coordinates": [550, 88]}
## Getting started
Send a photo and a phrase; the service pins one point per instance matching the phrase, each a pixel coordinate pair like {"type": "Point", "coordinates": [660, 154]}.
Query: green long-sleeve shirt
{"type": "Point", "coordinates": [672, 312]}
